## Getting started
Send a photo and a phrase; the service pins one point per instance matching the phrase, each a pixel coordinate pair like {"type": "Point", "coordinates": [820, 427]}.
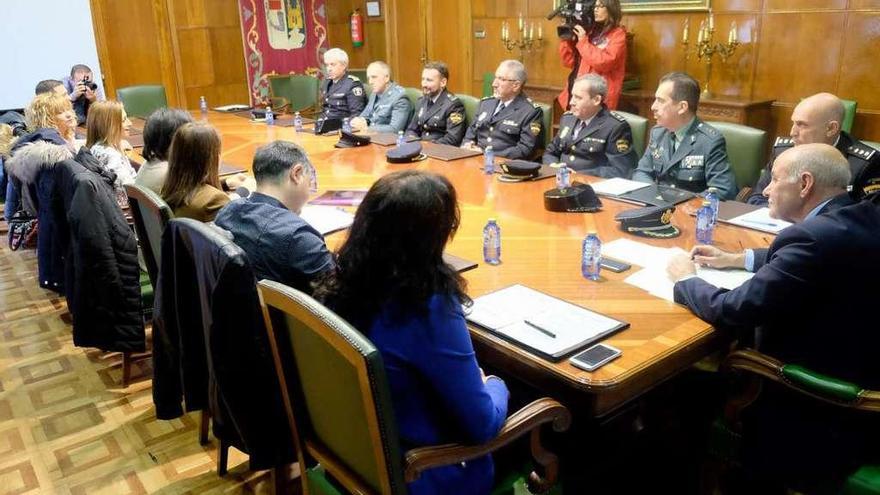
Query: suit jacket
{"type": "Point", "coordinates": [440, 122]}
{"type": "Point", "coordinates": [602, 148]}
{"type": "Point", "coordinates": [343, 99]}
{"type": "Point", "coordinates": [203, 205]}
{"type": "Point", "coordinates": [700, 161]}
{"type": "Point", "coordinates": [864, 164]}
{"type": "Point", "coordinates": [388, 111]}
{"type": "Point", "coordinates": [513, 133]}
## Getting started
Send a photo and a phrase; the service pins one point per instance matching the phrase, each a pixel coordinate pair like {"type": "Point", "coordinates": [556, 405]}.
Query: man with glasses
{"type": "Point", "coordinates": [507, 121]}
{"type": "Point", "coordinates": [279, 243]}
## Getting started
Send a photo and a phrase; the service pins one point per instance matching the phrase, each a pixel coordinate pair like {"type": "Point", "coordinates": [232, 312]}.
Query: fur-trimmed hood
{"type": "Point", "coordinates": [26, 164]}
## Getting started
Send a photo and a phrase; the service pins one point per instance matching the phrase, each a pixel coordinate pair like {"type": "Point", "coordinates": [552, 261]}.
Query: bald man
{"type": "Point", "coordinates": [809, 303]}
{"type": "Point", "coordinates": [817, 119]}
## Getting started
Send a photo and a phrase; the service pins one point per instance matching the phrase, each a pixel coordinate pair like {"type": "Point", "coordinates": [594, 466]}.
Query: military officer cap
{"type": "Point", "coordinates": [651, 221]}
{"type": "Point", "coordinates": [520, 169]}
{"type": "Point", "coordinates": [579, 198]}
{"type": "Point", "coordinates": [405, 153]}
{"type": "Point", "coordinates": [351, 140]}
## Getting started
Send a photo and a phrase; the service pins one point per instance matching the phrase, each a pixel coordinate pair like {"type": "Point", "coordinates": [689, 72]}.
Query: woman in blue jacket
{"type": "Point", "coordinates": [391, 283]}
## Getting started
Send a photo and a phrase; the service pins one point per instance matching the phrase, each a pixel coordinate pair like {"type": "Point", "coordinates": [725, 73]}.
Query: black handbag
{"type": "Point", "coordinates": [22, 231]}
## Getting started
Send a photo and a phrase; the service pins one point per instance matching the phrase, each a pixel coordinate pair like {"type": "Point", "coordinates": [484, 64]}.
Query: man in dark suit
{"type": "Point", "coordinates": [508, 121]}
{"type": "Point", "coordinates": [684, 151]}
{"type": "Point", "coordinates": [342, 94]}
{"type": "Point", "coordinates": [439, 114]}
{"type": "Point", "coordinates": [809, 303]}
{"type": "Point", "coordinates": [817, 119]}
{"type": "Point", "coordinates": [592, 139]}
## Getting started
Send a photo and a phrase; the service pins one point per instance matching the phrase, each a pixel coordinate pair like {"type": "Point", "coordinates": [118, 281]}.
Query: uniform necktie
{"type": "Point", "coordinates": [674, 143]}
{"type": "Point", "coordinates": [498, 109]}
{"type": "Point", "coordinates": [577, 129]}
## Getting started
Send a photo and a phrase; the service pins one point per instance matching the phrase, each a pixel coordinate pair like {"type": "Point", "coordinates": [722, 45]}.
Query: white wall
{"type": "Point", "coordinates": [42, 39]}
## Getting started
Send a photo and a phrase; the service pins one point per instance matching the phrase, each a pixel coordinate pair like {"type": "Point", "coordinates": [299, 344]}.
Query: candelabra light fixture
{"type": "Point", "coordinates": [526, 32]}
{"type": "Point", "coordinates": [706, 47]}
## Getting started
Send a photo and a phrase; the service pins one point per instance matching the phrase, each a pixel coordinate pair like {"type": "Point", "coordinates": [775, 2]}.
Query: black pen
{"type": "Point", "coordinates": [542, 330]}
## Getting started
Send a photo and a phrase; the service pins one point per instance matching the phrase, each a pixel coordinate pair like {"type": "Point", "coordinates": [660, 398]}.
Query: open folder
{"type": "Point", "coordinates": [540, 323]}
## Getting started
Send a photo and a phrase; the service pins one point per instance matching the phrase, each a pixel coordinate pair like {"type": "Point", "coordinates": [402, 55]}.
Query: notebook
{"type": "Point", "coordinates": [388, 138]}
{"type": "Point", "coordinates": [447, 152]}
{"type": "Point", "coordinates": [288, 121]}
{"type": "Point", "coordinates": [229, 169]}
{"type": "Point", "coordinates": [326, 219]}
{"type": "Point", "coordinates": [539, 323]}
{"type": "Point", "coordinates": [749, 216]}
{"type": "Point", "coordinates": [653, 195]}
{"type": "Point", "coordinates": [346, 197]}
{"type": "Point", "coordinates": [236, 107]}
{"type": "Point", "coordinates": [459, 264]}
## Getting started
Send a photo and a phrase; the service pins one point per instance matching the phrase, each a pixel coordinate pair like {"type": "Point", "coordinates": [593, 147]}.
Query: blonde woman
{"type": "Point", "coordinates": [192, 188]}
{"type": "Point", "coordinates": [107, 128]}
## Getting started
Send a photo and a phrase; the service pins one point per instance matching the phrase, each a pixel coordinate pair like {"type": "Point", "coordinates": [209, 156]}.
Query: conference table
{"type": "Point", "coordinates": [540, 249]}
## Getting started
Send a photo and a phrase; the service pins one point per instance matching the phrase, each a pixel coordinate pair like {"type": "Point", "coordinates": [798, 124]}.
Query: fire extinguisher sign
{"type": "Point", "coordinates": [357, 28]}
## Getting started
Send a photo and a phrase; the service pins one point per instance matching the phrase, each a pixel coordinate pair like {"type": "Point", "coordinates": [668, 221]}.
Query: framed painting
{"type": "Point", "coordinates": [633, 6]}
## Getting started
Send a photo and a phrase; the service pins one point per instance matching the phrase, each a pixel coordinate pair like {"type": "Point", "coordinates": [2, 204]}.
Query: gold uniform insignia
{"type": "Point", "coordinates": [563, 132]}
{"type": "Point", "coordinates": [535, 127]}
{"type": "Point", "coordinates": [667, 216]}
{"type": "Point", "coordinates": [455, 118]}
{"type": "Point", "coordinates": [357, 91]}
{"type": "Point", "coordinates": [622, 145]}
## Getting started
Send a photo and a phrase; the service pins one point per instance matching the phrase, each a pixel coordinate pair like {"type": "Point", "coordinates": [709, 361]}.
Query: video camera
{"type": "Point", "coordinates": [575, 13]}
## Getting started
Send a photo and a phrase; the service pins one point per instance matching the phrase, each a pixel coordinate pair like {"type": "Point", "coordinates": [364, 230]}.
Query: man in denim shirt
{"type": "Point", "coordinates": [267, 226]}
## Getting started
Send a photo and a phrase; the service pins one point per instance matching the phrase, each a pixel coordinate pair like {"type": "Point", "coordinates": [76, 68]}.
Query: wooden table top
{"type": "Point", "coordinates": [540, 249]}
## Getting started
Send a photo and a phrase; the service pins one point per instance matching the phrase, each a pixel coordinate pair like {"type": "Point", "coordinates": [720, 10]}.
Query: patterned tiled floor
{"type": "Point", "coordinates": [66, 424]}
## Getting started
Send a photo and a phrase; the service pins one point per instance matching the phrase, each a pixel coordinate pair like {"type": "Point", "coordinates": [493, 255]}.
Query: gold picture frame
{"type": "Point", "coordinates": [636, 6]}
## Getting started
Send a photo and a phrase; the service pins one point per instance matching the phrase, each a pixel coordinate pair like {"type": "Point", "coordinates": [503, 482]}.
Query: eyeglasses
{"type": "Point", "coordinates": [499, 78]}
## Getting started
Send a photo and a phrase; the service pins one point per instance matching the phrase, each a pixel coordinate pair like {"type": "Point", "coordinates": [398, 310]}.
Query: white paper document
{"type": "Point", "coordinates": [232, 108]}
{"type": "Point", "coordinates": [638, 253]}
{"type": "Point", "coordinates": [656, 281]}
{"type": "Point", "coordinates": [760, 219]}
{"type": "Point", "coordinates": [617, 186]}
{"type": "Point", "coordinates": [538, 321]}
{"type": "Point", "coordinates": [326, 219]}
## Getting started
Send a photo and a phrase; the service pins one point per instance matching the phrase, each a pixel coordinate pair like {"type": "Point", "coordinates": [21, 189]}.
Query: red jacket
{"type": "Point", "coordinates": [608, 60]}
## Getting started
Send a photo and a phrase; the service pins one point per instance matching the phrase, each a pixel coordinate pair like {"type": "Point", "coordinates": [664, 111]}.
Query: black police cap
{"type": "Point", "coordinates": [351, 140]}
{"type": "Point", "coordinates": [579, 197]}
{"type": "Point", "coordinates": [520, 169]}
{"type": "Point", "coordinates": [405, 153]}
{"type": "Point", "coordinates": [651, 221]}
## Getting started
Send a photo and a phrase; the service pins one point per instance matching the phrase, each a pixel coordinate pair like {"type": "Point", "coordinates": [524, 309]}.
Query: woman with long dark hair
{"type": "Point", "coordinates": [193, 188]}
{"type": "Point", "coordinates": [601, 51]}
{"type": "Point", "coordinates": [392, 284]}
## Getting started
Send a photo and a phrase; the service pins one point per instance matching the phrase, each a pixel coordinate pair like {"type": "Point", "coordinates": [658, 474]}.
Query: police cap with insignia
{"type": "Point", "coordinates": [351, 140]}
{"type": "Point", "coordinates": [579, 198]}
{"type": "Point", "coordinates": [405, 153]}
{"type": "Point", "coordinates": [517, 170]}
{"type": "Point", "coordinates": [651, 221]}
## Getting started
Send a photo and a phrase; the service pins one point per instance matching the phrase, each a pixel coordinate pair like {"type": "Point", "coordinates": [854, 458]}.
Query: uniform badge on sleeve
{"type": "Point", "coordinates": [421, 112]}
{"type": "Point", "coordinates": [456, 118]}
{"type": "Point", "coordinates": [622, 145]}
{"type": "Point", "coordinates": [482, 116]}
{"type": "Point", "coordinates": [563, 132]}
{"type": "Point", "coordinates": [358, 91]}
{"type": "Point", "coordinates": [535, 127]}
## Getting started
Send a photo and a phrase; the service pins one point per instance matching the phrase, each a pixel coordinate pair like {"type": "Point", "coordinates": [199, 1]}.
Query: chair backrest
{"type": "Point", "coordinates": [141, 101]}
{"type": "Point", "coordinates": [335, 391]}
{"type": "Point", "coordinates": [746, 148]}
{"type": "Point", "coordinates": [488, 79]}
{"type": "Point", "coordinates": [470, 107]}
{"type": "Point", "coordinates": [639, 127]}
{"type": "Point", "coordinates": [849, 114]}
{"type": "Point", "coordinates": [300, 90]}
{"type": "Point", "coordinates": [546, 123]}
{"type": "Point", "coordinates": [151, 214]}
{"type": "Point", "coordinates": [413, 95]}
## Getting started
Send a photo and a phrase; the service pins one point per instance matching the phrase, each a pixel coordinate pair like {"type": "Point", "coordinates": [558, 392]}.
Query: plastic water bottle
{"type": "Point", "coordinates": [489, 161]}
{"type": "Point", "coordinates": [400, 138]}
{"type": "Point", "coordinates": [704, 223]}
{"type": "Point", "coordinates": [270, 116]}
{"type": "Point", "coordinates": [591, 254]}
{"type": "Point", "coordinates": [298, 122]}
{"type": "Point", "coordinates": [563, 176]}
{"type": "Point", "coordinates": [492, 243]}
{"type": "Point", "coordinates": [203, 106]}
{"type": "Point", "coordinates": [346, 125]}
{"type": "Point", "coordinates": [713, 199]}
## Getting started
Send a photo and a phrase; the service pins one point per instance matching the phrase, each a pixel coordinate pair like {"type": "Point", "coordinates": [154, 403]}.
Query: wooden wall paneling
{"type": "Point", "coordinates": [799, 55]}
{"type": "Point", "coordinates": [447, 44]}
{"type": "Point", "coordinates": [858, 75]}
{"type": "Point", "coordinates": [864, 4]}
{"type": "Point", "coordinates": [733, 77]}
{"type": "Point", "coordinates": [406, 35]}
{"type": "Point", "coordinates": [339, 32]}
{"type": "Point", "coordinates": [803, 5]}
{"type": "Point", "coordinates": [736, 5]}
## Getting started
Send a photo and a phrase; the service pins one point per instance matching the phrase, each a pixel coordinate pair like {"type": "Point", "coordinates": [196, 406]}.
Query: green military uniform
{"type": "Point", "coordinates": [602, 147]}
{"type": "Point", "coordinates": [513, 132]}
{"type": "Point", "coordinates": [698, 162]}
{"type": "Point", "coordinates": [440, 120]}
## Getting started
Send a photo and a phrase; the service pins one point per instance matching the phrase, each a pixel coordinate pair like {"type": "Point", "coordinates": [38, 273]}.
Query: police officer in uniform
{"type": "Point", "coordinates": [684, 151]}
{"type": "Point", "coordinates": [342, 95]}
{"type": "Point", "coordinates": [592, 139]}
{"type": "Point", "coordinates": [439, 114]}
{"type": "Point", "coordinates": [817, 119]}
{"type": "Point", "coordinates": [388, 108]}
{"type": "Point", "coordinates": [508, 121]}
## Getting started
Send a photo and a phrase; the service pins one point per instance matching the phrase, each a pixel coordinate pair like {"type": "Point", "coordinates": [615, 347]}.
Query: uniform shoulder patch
{"type": "Point", "coordinates": [456, 118]}
{"type": "Point", "coordinates": [486, 98]}
{"type": "Point", "coordinates": [783, 142]}
{"type": "Point", "coordinates": [618, 116]}
{"type": "Point", "coordinates": [535, 128]}
{"type": "Point", "coordinates": [354, 77]}
{"type": "Point", "coordinates": [451, 97]}
{"type": "Point", "coordinates": [708, 129]}
{"type": "Point", "coordinates": [861, 151]}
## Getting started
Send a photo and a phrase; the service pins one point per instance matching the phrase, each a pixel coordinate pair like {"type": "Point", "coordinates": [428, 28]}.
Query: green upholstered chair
{"type": "Point", "coordinates": [746, 147]}
{"type": "Point", "coordinates": [360, 74]}
{"type": "Point", "coordinates": [849, 114]}
{"type": "Point", "coordinates": [546, 123]}
{"type": "Point", "coordinates": [413, 95]}
{"type": "Point", "coordinates": [872, 144]}
{"type": "Point", "coordinates": [822, 388]}
{"type": "Point", "coordinates": [339, 404]}
{"type": "Point", "coordinates": [488, 79]}
{"type": "Point", "coordinates": [470, 107]}
{"type": "Point", "coordinates": [151, 214]}
{"type": "Point", "coordinates": [140, 101]}
{"type": "Point", "coordinates": [639, 127]}
{"type": "Point", "coordinates": [295, 93]}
